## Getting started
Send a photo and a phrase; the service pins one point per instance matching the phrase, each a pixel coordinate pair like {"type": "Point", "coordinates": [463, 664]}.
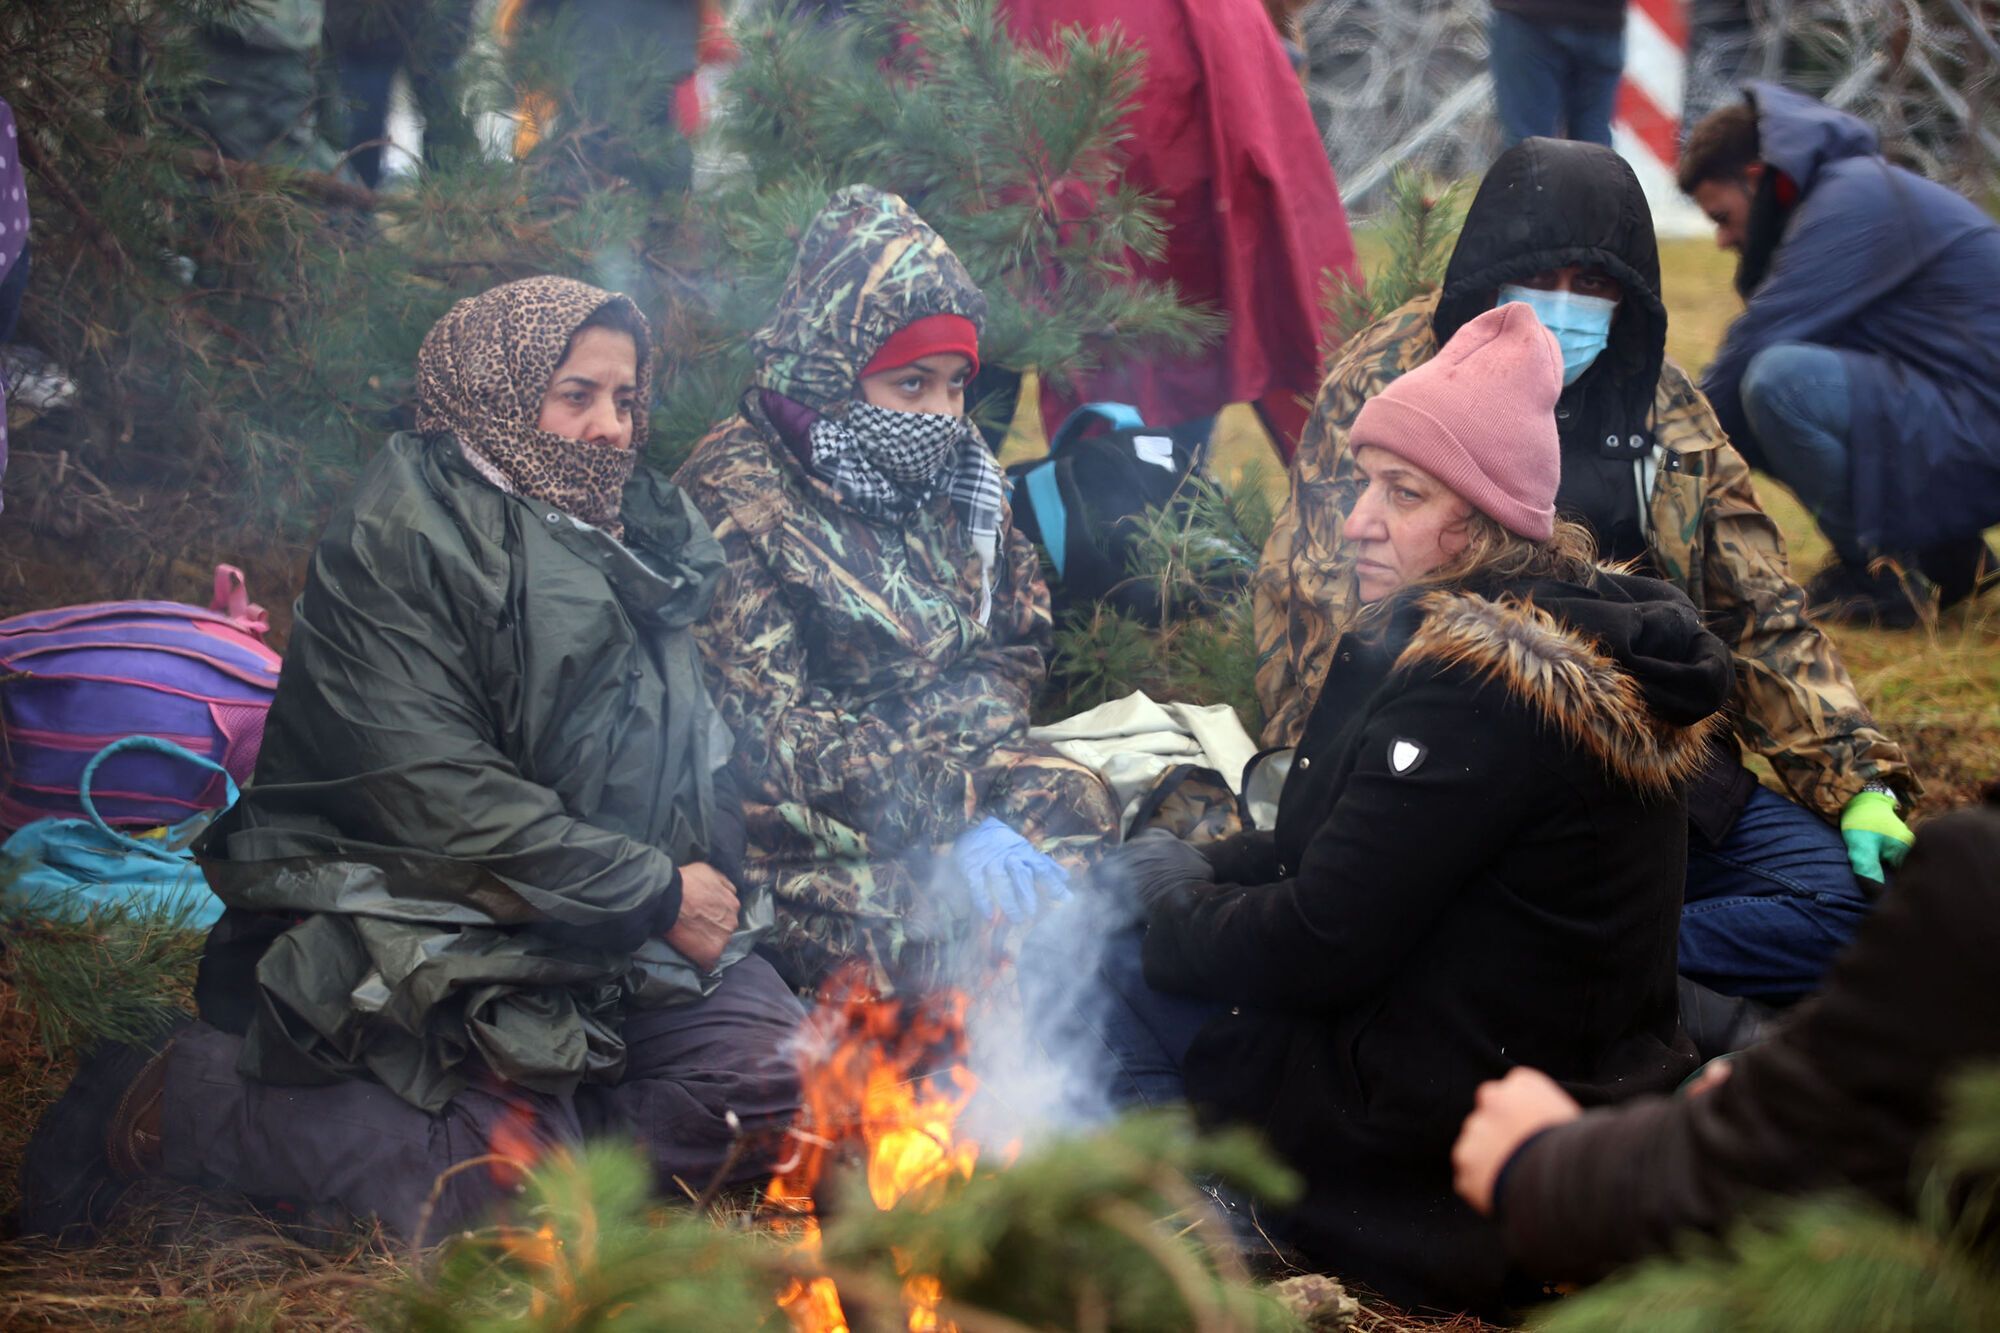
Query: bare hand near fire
{"type": "Point", "coordinates": [1506, 1113]}
{"type": "Point", "coordinates": [708, 914]}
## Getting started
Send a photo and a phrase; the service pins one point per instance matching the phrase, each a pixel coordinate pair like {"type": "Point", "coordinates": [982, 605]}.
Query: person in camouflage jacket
{"type": "Point", "coordinates": [1773, 891]}
{"type": "Point", "coordinates": [877, 672]}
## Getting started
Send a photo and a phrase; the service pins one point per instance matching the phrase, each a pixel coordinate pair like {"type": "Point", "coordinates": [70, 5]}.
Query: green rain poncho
{"type": "Point", "coordinates": [491, 747]}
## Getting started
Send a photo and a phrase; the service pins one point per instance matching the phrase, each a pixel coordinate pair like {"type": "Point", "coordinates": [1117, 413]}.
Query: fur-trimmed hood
{"type": "Point", "coordinates": [1623, 667]}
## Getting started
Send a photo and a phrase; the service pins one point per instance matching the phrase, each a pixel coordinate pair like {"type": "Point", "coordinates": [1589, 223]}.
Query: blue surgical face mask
{"type": "Point", "coordinates": [1581, 324]}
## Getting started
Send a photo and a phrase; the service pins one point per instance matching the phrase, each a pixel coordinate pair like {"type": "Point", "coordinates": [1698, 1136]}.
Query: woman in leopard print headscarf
{"type": "Point", "coordinates": [496, 374]}
{"type": "Point", "coordinates": [489, 867]}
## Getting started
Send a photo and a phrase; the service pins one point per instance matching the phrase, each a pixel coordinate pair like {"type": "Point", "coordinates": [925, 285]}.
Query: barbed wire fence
{"type": "Point", "coordinates": [1398, 83]}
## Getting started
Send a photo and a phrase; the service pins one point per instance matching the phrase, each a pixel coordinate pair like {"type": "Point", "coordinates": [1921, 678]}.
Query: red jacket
{"type": "Point", "coordinates": [1222, 133]}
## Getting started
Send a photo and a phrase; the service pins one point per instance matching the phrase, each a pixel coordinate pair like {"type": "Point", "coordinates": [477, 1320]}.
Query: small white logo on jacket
{"type": "Point", "coordinates": [1405, 756]}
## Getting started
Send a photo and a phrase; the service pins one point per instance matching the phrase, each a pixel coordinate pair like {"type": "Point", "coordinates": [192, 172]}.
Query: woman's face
{"type": "Point", "coordinates": [590, 397]}
{"type": "Point", "coordinates": [1405, 524]}
{"type": "Point", "coordinates": [930, 384]}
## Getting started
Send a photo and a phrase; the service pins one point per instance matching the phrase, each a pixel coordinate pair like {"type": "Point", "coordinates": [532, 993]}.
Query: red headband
{"type": "Point", "coordinates": [929, 336]}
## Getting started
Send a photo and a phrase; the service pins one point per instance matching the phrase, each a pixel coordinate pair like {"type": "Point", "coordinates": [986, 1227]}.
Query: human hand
{"type": "Point", "coordinates": [1153, 867]}
{"type": "Point", "coordinates": [1875, 835]}
{"type": "Point", "coordinates": [999, 867]}
{"type": "Point", "coordinates": [1710, 1076]}
{"type": "Point", "coordinates": [1506, 1113]}
{"type": "Point", "coordinates": [709, 911]}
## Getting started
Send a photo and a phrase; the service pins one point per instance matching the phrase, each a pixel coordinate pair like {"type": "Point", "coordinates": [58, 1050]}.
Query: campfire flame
{"type": "Point", "coordinates": [884, 1084]}
{"type": "Point", "coordinates": [514, 1148]}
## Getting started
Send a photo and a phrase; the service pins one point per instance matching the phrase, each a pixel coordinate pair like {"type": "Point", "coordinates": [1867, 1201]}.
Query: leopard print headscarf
{"type": "Point", "coordinates": [481, 376]}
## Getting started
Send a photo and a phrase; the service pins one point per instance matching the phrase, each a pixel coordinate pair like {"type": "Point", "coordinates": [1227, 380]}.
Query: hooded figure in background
{"type": "Point", "coordinates": [1864, 371]}
{"type": "Point", "coordinates": [1773, 889]}
{"type": "Point", "coordinates": [880, 627]}
{"type": "Point", "coordinates": [484, 879]}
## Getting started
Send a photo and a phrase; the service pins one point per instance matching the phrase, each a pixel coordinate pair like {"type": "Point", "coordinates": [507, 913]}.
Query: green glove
{"type": "Point", "coordinates": [1875, 837]}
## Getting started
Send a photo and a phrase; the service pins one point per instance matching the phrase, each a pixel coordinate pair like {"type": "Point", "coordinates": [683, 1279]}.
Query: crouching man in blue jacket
{"type": "Point", "coordinates": [1864, 372]}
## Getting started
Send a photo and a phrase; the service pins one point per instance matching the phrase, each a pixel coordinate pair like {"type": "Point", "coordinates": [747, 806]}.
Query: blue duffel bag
{"type": "Point", "coordinates": [71, 867]}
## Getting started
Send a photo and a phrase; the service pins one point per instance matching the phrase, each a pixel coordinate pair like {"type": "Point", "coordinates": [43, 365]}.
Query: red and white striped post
{"type": "Point", "coordinates": [1646, 128]}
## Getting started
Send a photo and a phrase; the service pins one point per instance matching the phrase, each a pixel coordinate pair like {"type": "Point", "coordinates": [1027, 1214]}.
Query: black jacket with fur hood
{"type": "Point", "coordinates": [1478, 863]}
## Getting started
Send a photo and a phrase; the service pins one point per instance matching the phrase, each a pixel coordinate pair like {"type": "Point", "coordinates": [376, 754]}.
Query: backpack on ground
{"type": "Point", "coordinates": [76, 678]}
{"type": "Point", "coordinates": [1086, 502]}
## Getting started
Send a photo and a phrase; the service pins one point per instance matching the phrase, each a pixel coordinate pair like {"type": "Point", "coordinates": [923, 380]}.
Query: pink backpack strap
{"type": "Point", "coordinates": [232, 599]}
{"type": "Point", "coordinates": [242, 728]}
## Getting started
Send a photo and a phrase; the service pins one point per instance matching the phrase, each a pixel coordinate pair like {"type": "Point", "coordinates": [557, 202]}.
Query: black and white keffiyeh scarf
{"type": "Point", "coordinates": [889, 464]}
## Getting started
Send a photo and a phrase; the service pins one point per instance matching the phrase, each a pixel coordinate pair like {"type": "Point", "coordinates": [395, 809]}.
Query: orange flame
{"type": "Point", "coordinates": [814, 1305]}
{"type": "Point", "coordinates": [870, 1095]}
{"type": "Point", "coordinates": [513, 1147]}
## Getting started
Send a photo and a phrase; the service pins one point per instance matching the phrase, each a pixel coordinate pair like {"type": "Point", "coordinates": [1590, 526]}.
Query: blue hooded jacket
{"type": "Point", "coordinates": [1902, 276]}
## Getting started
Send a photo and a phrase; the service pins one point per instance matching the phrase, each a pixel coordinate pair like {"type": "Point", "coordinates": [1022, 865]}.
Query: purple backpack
{"type": "Point", "coordinates": [75, 679]}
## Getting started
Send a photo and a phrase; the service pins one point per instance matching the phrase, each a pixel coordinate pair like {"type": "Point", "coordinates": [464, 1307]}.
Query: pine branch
{"type": "Point", "coordinates": [204, 164]}
{"type": "Point", "coordinates": [1422, 229]}
{"type": "Point", "coordinates": [114, 973]}
{"type": "Point", "coordinates": [100, 235]}
{"type": "Point", "coordinates": [1055, 1233]}
{"type": "Point", "coordinates": [1100, 1223]}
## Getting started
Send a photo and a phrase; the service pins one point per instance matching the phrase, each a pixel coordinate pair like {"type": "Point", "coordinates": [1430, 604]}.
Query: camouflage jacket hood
{"type": "Point", "coordinates": [1707, 535]}
{"type": "Point", "coordinates": [876, 716]}
{"type": "Point", "coordinates": [867, 266]}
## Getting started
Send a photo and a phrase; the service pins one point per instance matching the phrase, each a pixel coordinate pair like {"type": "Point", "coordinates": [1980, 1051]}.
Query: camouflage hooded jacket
{"type": "Point", "coordinates": [875, 717]}
{"type": "Point", "coordinates": [1794, 702]}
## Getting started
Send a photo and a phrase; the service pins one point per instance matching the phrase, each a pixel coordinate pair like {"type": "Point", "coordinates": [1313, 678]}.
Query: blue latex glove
{"type": "Point", "coordinates": [1000, 867]}
{"type": "Point", "coordinates": [1874, 834]}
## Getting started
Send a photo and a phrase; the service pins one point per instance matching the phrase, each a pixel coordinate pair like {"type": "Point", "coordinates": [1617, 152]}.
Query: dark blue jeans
{"type": "Point", "coordinates": [1126, 1039]}
{"type": "Point", "coordinates": [1769, 907]}
{"type": "Point", "coordinates": [1798, 400]}
{"type": "Point", "coordinates": [1551, 80]}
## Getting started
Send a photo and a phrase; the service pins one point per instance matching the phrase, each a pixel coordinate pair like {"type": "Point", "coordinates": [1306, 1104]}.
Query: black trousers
{"type": "Point", "coordinates": [357, 1150]}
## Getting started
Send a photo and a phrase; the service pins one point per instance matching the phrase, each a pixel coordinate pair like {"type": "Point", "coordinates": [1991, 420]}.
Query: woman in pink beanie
{"type": "Point", "coordinates": [1478, 854]}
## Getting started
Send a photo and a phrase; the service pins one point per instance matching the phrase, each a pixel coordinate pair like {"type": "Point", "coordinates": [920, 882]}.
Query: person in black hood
{"type": "Point", "coordinates": [1555, 225]}
{"type": "Point", "coordinates": [1774, 886]}
{"type": "Point", "coordinates": [1478, 853]}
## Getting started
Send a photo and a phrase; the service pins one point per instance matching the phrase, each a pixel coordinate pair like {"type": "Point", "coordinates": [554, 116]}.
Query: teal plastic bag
{"type": "Point", "coordinates": [68, 867]}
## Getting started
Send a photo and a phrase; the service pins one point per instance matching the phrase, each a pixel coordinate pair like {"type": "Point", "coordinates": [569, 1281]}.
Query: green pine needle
{"type": "Point", "coordinates": [109, 974]}
{"type": "Point", "coordinates": [1423, 223]}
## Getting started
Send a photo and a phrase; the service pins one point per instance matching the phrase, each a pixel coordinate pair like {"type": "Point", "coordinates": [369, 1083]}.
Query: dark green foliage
{"type": "Point", "coordinates": [1099, 656]}
{"type": "Point", "coordinates": [1214, 661]}
{"type": "Point", "coordinates": [1106, 1225]}
{"type": "Point", "coordinates": [243, 335]}
{"type": "Point", "coordinates": [1423, 219]}
{"type": "Point", "coordinates": [110, 974]}
{"type": "Point", "coordinates": [1834, 1264]}
{"type": "Point", "coordinates": [1186, 549]}
{"type": "Point", "coordinates": [583, 1250]}
{"type": "Point", "coordinates": [1011, 156]}
{"type": "Point", "coordinates": [1099, 1233]}
{"type": "Point", "coordinates": [1205, 649]}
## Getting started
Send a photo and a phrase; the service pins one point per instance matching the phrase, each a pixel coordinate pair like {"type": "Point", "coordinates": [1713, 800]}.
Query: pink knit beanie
{"type": "Point", "coordinates": [1480, 416]}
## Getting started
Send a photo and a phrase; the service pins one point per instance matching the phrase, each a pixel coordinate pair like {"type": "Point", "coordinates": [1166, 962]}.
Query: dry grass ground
{"type": "Point", "coordinates": [178, 1261]}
